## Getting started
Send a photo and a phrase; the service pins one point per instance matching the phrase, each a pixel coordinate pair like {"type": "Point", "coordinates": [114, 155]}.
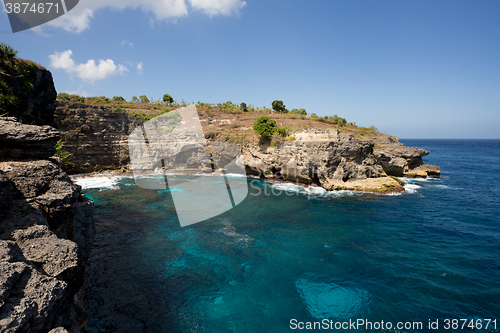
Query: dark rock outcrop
{"type": "Point", "coordinates": [20, 142]}
{"type": "Point", "coordinates": [37, 103]}
{"type": "Point", "coordinates": [46, 231]}
{"type": "Point", "coordinates": [96, 136]}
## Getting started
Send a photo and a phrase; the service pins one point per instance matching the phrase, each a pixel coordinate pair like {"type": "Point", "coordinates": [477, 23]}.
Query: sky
{"type": "Point", "coordinates": [414, 69]}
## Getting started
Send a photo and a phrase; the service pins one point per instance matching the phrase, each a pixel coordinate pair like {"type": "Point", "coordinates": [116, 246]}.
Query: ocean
{"type": "Point", "coordinates": [290, 258]}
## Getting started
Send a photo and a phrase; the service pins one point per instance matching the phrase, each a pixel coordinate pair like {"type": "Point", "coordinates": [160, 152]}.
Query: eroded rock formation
{"type": "Point", "coordinates": [98, 139]}
{"type": "Point", "coordinates": [46, 231]}
{"type": "Point", "coordinates": [96, 136]}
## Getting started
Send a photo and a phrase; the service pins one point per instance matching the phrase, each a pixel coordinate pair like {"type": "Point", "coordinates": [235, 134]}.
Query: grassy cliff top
{"type": "Point", "coordinates": [232, 122]}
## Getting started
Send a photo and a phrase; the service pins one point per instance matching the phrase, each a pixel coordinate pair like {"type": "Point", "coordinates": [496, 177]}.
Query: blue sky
{"type": "Point", "coordinates": [415, 69]}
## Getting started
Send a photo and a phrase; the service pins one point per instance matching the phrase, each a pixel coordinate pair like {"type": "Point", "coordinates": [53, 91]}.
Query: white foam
{"type": "Point", "coordinates": [316, 190]}
{"type": "Point", "coordinates": [311, 191]}
{"type": "Point", "coordinates": [411, 188]}
{"type": "Point", "coordinates": [100, 181]}
{"type": "Point", "coordinates": [289, 187]}
{"type": "Point", "coordinates": [414, 180]}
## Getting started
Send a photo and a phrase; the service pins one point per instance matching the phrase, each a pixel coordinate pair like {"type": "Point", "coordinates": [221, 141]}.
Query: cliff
{"type": "Point", "coordinates": [46, 232]}
{"type": "Point", "coordinates": [98, 139]}
{"type": "Point", "coordinates": [96, 136]}
{"type": "Point", "coordinates": [35, 95]}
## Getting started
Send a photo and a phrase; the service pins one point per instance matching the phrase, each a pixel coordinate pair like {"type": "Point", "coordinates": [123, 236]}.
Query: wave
{"type": "Point", "coordinates": [315, 191]}
{"type": "Point", "coordinates": [411, 188]}
{"type": "Point", "coordinates": [103, 182]}
{"type": "Point", "coordinates": [415, 180]}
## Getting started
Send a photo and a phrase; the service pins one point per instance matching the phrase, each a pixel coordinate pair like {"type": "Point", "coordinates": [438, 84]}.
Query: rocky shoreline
{"type": "Point", "coordinates": [97, 138]}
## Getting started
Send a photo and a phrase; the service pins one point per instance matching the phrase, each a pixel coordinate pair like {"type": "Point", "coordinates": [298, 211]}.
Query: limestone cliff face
{"type": "Point", "coordinates": [96, 136]}
{"type": "Point", "coordinates": [46, 232]}
{"type": "Point", "coordinates": [337, 161]}
{"type": "Point", "coordinates": [98, 140]}
{"type": "Point", "coordinates": [399, 160]}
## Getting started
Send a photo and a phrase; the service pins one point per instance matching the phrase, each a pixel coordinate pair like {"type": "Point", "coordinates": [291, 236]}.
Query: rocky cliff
{"type": "Point", "coordinates": [35, 104]}
{"type": "Point", "coordinates": [98, 139]}
{"type": "Point", "coordinates": [96, 136]}
{"type": "Point", "coordinates": [46, 232]}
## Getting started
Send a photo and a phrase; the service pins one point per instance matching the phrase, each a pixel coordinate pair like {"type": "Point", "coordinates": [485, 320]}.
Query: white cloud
{"type": "Point", "coordinates": [38, 31]}
{"type": "Point", "coordinates": [89, 71]}
{"type": "Point", "coordinates": [126, 42]}
{"type": "Point", "coordinates": [78, 19]}
{"type": "Point", "coordinates": [139, 68]}
{"type": "Point", "coordinates": [80, 92]}
{"type": "Point", "coordinates": [218, 7]}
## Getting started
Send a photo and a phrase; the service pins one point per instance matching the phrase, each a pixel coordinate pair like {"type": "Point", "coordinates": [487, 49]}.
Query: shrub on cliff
{"type": "Point", "coordinates": [63, 155]}
{"type": "Point", "coordinates": [144, 99]}
{"type": "Point", "coordinates": [118, 99]}
{"type": "Point", "coordinates": [243, 107]}
{"type": "Point", "coordinates": [168, 99]}
{"type": "Point", "coordinates": [63, 97]}
{"type": "Point", "coordinates": [278, 106]}
{"type": "Point", "coordinates": [299, 111]}
{"type": "Point", "coordinates": [281, 131]}
{"type": "Point", "coordinates": [76, 98]}
{"type": "Point", "coordinates": [264, 126]}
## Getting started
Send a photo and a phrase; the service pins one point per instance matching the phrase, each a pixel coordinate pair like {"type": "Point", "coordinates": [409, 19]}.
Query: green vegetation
{"type": "Point", "coordinates": [299, 111]}
{"type": "Point", "coordinates": [139, 115]}
{"type": "Point", "coordinates": [63, 155]}
{"type": "Point", "coordinates": [279, 107]}
{"type": "Point", "coordinates": [242, 117]}
{"type": "Point", "coordinates": [281, 131]}
{"type": "Point", "coordinates": [118, 99]}
{"type": "Point", "coordinates": [12, 69]}
{"type": "Point", "coordinates": [168, 99]}
{"type": "Point", "coordinates": [65, 97]}
{"type": "Point", "coordinates": [244, 107]}
{"type": "Point", "coordinates": [398, 180]}
{"type": "Point", "coordinates": [264, 126]}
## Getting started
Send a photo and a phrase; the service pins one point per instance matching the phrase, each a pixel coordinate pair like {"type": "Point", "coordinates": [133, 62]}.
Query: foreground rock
{"type": "Point", "coordinates": [20, 142]}
{"type": "Point", "coordinates": [46, 231]}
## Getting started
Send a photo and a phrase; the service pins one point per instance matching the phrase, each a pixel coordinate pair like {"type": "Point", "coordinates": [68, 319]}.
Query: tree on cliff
{"type": "Point", "coordinates": [278, 106]}
{"type": "Point", "coordinates": [243, 106]}
{"type": "Point", "coordinates": [299, 111]}
{"type": "Point", "coordinates": [12, 70]}
{"type": "Point", "coordinates": [168, 99]}
{"type": "Point", "coordinates": [118, 99]}
{"type": "Point", "coordinates": [264, 126]}
{"type": "Point", "coordinates": [144, 99]}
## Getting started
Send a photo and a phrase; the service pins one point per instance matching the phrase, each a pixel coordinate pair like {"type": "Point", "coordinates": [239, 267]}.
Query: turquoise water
{"type": "Point", "coordinates": [432, 253]}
